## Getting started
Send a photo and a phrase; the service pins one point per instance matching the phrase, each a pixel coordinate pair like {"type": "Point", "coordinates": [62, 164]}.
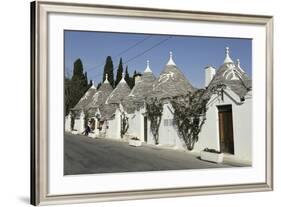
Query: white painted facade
{"type": "Point", "coordinates": [168, 133]}
{"type": "Point", "coordinates": [242, 125]}
{"type": "Point", "coordinates": [135, 125]}
{"type": "Point", "coordinates": [67, 123]}
{"type": "Point", "coordinates": [114, 126]}
{"type": "Point", "coordinates": [209, 137]}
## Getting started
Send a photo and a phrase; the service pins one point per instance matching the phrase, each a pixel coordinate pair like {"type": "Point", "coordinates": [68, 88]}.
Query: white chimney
{"type": "Point", "coordinates": [137, 78]}
{"type": "Point", "coordinates": [210, 72]}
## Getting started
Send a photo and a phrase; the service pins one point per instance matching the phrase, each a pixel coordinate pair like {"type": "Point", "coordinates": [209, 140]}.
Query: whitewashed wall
{"type": "Point", "coordinates": [79, 124]}
{"type": "Point", "coordinates": [114, 127]}
{"type": "Point", "coordinates": [242, 127]}
{"type": "Point", "coordinates": [242, 123]}
{"type": "Point", "coordinates": [135, 125]}
{"type": "Point", "coordinates": [168, 134]}
{"type": "Point", "coordinates": [67, 123]}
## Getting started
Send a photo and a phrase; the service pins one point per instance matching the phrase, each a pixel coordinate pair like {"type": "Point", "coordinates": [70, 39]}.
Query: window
{"type": "Point", "coordinates": [168, 122]}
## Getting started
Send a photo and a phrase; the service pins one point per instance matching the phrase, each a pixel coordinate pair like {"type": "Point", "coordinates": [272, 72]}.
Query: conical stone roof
{"type": "Point", "coordinates": [107, 111]}
{"type": "Point", "coordinates": [121, 91]}
{"type": "Point", "coordinates": [141, 90]}
{"type": "Point", "coordinates": [171, 82]}
{"type": "Point", "coordinates": [100, 96]}
{"type": "Point", "coordinates": [86, 98]}
{"type": "Point", "coordinates": [233, 76]}
{"type": "Point", "coordinates": [143, 87]}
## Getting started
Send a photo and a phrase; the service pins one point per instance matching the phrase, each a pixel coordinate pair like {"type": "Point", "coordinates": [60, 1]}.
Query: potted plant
{"type": "Point", "coordinates": [211, 155]}
{"type": "Point", "coordinates": [135, 142]}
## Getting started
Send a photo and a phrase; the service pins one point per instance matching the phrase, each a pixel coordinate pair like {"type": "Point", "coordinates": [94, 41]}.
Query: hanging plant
{"type": "Point", "coordinates": [190, 115]}
{"type": "Point", "coordinates": [154, 109]}
{"type": "Point", "coordinates": [124, 124]}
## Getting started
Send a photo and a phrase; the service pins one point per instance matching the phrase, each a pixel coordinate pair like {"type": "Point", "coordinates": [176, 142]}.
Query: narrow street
{"type": "Point", "coordinates": [85, 155]}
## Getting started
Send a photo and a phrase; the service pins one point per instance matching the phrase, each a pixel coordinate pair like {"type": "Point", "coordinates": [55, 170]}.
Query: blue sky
{"type": "Point", "coordinates": [191, 54]}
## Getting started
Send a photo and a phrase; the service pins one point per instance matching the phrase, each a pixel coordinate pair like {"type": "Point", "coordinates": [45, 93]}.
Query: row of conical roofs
{"type": "Point", "coordinates": [170, 83]}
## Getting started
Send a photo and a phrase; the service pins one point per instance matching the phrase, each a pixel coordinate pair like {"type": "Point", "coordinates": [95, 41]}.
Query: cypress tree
{"type": "Point", "coordinates": [99, 85]}
{"type": "Point", "coordinates": [90, 84]}
{"type": "Point", "coordinates": [108, 69]}
{"type": "Point", "coordinates": [78, 84]}
{"type": "Point", "coordinates": [77, 70]}
{"type": "Point", "coordinates": [85, 82]}
{"type": "Point", "coordinates": [119, 72]}
{"type": "Point", "coordinates": [127, 77]}
{"type": "Point", "coordinates": [67, 95]}
{"type": "Point", "coordinates": [133, 79]}
{"type": "Point", "coordinates": [86, 76]}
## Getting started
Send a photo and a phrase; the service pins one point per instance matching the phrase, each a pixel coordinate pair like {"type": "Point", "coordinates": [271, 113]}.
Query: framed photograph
{"type": "Point", "coordinates": [135, 103]}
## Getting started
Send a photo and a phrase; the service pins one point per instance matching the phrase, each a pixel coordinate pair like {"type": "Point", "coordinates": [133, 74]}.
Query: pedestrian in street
{"type": "Point", "coordinates": [87, 131]}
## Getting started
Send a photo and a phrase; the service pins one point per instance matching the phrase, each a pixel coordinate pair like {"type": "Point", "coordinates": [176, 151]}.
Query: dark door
{"type": "Point", "coordinates": [226, 129]}
{"type": "Point", "coordinates": [145, 128]}
{"type": "Point", "coordinates": [93, 124]}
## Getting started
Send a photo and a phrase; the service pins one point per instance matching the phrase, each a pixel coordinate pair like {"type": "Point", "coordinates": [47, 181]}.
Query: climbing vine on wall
{"type": "Point", "coordinates": [218, 89]}
{"type": "Point", "coordinates": [154, 108]}
{"type": "Point", "coordinates": [190, 115]}
{"type": "Point", "coordinates": [190, 112]}
{"type": "Point", "coordinates": [124, 124]}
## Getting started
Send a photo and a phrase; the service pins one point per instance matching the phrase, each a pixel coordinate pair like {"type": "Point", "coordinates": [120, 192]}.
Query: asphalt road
{"type": "Point", "coordinates": [85, 155]}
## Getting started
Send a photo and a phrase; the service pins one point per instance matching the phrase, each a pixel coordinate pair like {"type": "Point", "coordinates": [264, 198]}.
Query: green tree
{"type": "Point", "coordinates": [99, 85]}
{"type": "Point", "coordinates": [67, 91]}
{"type": "Point", "coordinates": [76, 86]}
{"type": "Point", "coordinates": [119, 72]}
{"type": "Point", "coordinates": [108, 69]}
{"type": "Point", "coordinates": [132, 81]}
{"type": "Point", "coordinates": [127, 77]}
{"type": "Point", "coordinates": [85, 80]}
{"type": "Point", "coordinates": [90, 83]}
{"type": "Point", "coordinates": [77, 70]}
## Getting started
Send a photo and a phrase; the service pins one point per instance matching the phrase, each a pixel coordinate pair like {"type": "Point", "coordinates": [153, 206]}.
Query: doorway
{"type": "Point", "coordinates": [145, 128]}
{"type": "Point", "coordinates": [226, 129]}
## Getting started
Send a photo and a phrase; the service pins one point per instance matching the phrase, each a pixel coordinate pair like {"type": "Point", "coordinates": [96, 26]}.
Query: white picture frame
{"type": "Point", "coordinates": [48, 185]}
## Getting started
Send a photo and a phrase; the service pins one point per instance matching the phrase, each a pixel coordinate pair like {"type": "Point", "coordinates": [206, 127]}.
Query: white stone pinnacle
{"type": "Point", "coordinates": [147, 69]}
{"type": "Point", "coordinates": [123, 78]}
{"type": "Point", "coordinates": [106, 79]}
{"type": "Point", "coordinates": [227, 57]}
{"type": "Point", "coordinates": [238, 66]}
{"type": "Point", "coordinates": [171, 61]}
{"type": "Point", "coordinates": [93, 85]}
{"type": "Point", "coordinates": [238, 63]}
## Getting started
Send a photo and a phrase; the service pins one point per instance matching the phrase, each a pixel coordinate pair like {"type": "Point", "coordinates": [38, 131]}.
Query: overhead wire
{"type": "Point", "coordinates": [138, 55]}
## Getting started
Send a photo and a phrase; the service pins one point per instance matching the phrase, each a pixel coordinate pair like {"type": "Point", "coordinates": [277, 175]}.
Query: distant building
{"type": "Point", "coordinates": [228, 125]}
